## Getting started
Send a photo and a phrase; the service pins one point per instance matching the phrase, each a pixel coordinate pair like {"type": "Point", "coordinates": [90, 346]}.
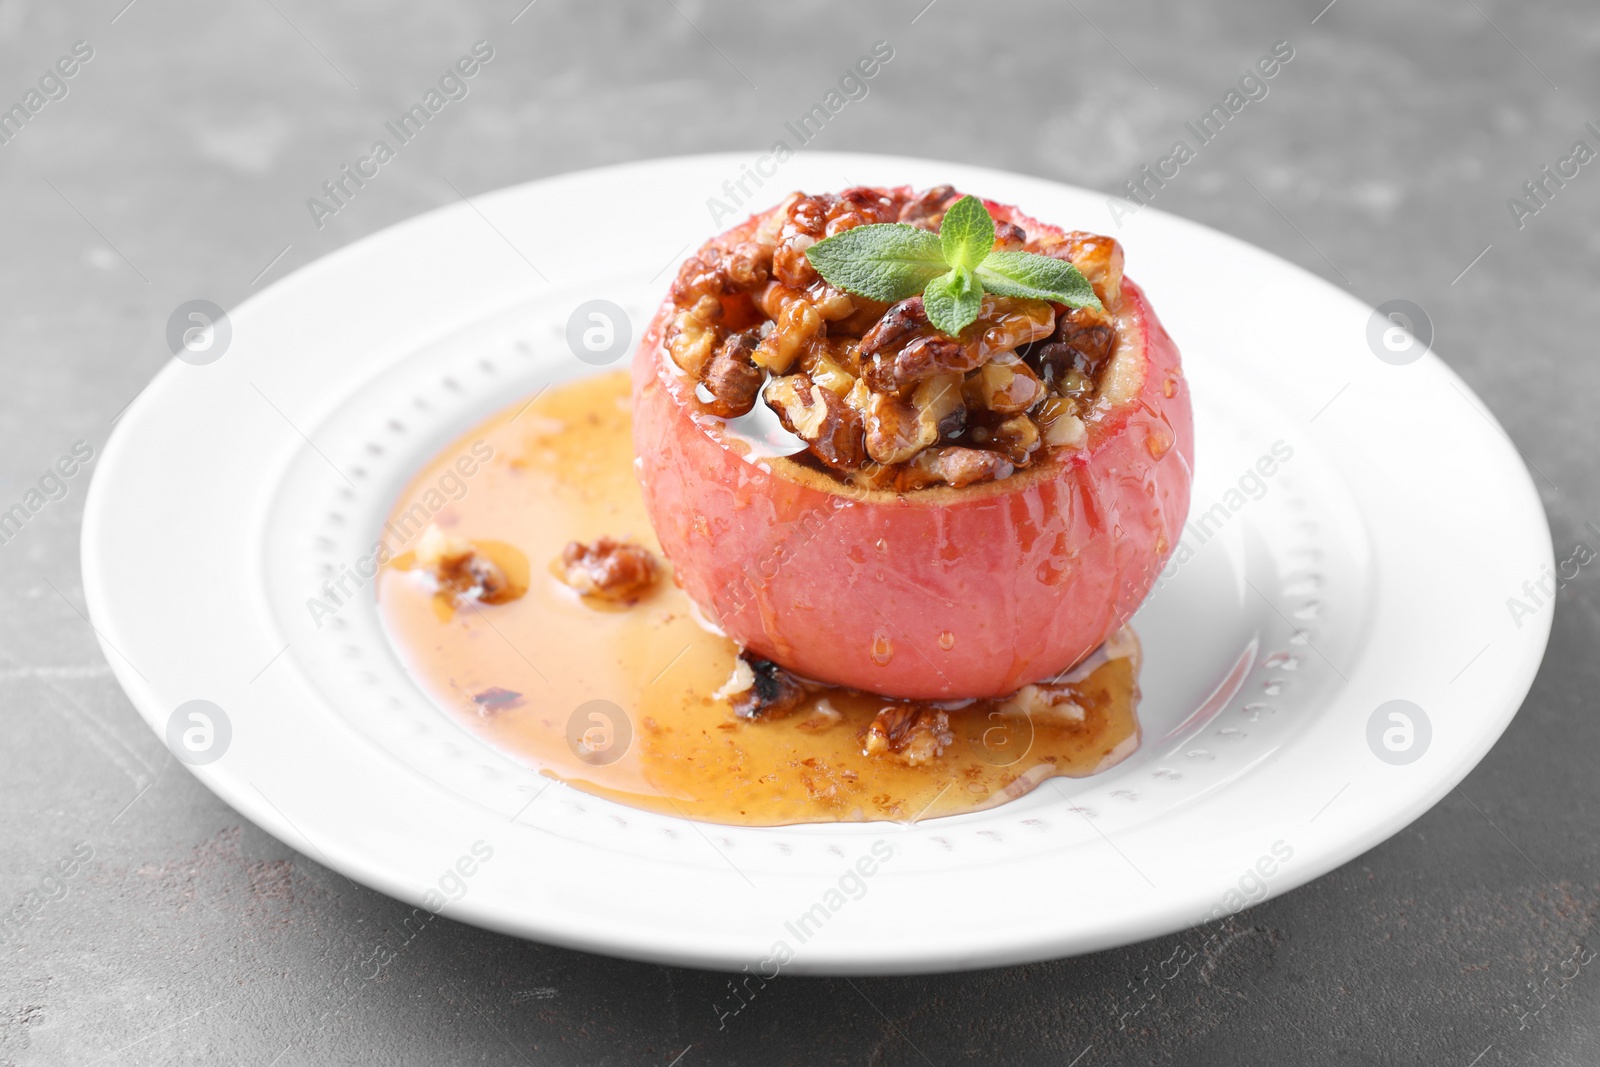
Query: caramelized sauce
{"type": "Point", "coordinates": [619, 702]}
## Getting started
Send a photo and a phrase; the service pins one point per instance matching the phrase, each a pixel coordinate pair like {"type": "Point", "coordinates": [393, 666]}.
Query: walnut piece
{"type": "Point", "coordinates": [692, 337]}
{"type": "Point", "coordinates": [795, 322]}
{"type": "Point", "coordinates": [771, 692]}
{"type": "Point", "coordinates": [609, 569]}
{"type": "Point", "coordinates": [831, 429]}
{"type": "Point", "coordinates": [1009, 237]}
{"type": "Point", "coordinates": [926, 209]}
{"type": "Point", "coordinates": [956, 466]}
{"type": "Point", "coordinates": [1045, 702]}
{"type": "Point", "coordinates": [909, 733]}
{"type": "Point", "coordinates": [1099, 259]}
{"type": "Point", "coordinates": [1006, 385]}
{"type": "Point", "coordinates": [894, 432]}
{"type": "Point", "coordinates": [899, 322]}
{"type": "Point", "coordinates": [733, 379]}
{"type": "Point", "coordinates": [457, 565]}
{"type": "Point", "coordinates": [1058, 419]}
{"type": "Point", "coordinates": [1018, 438]}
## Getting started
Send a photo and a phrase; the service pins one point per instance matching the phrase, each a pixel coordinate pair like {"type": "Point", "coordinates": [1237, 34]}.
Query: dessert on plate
{"type": "Point", "coordinates": [860, 538]}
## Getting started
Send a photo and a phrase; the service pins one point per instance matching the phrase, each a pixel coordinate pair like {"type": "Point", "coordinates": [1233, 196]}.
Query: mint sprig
{"type": "Point", "coordinates": [890, 262]}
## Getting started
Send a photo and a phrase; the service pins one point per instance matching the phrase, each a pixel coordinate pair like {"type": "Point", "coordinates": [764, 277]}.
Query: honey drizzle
{"type": "Point", "coordinates": [562, 470]}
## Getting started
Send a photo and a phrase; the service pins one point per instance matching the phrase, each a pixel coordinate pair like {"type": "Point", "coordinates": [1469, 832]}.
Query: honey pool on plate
{"type": "Point", "coordinates": [618, 701]}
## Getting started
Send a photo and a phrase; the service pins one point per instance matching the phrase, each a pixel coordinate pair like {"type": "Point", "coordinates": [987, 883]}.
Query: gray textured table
{"type": "Point", "coordinates": [175, 161]}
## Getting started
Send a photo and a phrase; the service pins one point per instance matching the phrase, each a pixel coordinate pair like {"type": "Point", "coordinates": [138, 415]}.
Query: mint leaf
{"type": "Point", "coordinates": [1035, 277]}
{"type": "Point", "coordinates": [886, 261]}
{"type": "Point", "coordinates": [890, 262]}
{"type": "Point", "coordinates": [952, 301]}
{"type": "Point", "coordinates": [966, 235]}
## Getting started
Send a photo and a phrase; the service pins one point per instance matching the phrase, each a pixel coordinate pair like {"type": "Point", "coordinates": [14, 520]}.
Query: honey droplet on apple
{"type": "Point", "coordinates": [882, 650]}
{"type": "Point", "coordinates": [947, 640]}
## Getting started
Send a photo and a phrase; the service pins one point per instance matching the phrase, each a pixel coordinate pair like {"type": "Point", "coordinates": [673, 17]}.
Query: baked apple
{"type": "Point", "coordinates": [912, 443]}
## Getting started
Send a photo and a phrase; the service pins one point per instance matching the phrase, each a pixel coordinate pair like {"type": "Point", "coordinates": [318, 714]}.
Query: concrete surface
{"type": "Point", "coordinates": [177, 166]}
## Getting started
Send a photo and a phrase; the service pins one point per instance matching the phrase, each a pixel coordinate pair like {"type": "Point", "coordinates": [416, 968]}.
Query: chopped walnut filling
{"type": "Point", "coordinates": [609, 570]}
{"type": "Point", "coordinates": [879, 396]}
{"type": "Point", "coordinates": [458, 565]}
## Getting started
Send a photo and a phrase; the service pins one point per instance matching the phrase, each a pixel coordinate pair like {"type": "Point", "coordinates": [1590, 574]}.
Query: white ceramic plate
{"type": "Point", "coordinates": [1371, 565]}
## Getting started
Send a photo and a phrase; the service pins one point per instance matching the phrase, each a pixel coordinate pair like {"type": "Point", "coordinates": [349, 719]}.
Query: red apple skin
{"type": "Point", "coordinates": [936, 594]}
